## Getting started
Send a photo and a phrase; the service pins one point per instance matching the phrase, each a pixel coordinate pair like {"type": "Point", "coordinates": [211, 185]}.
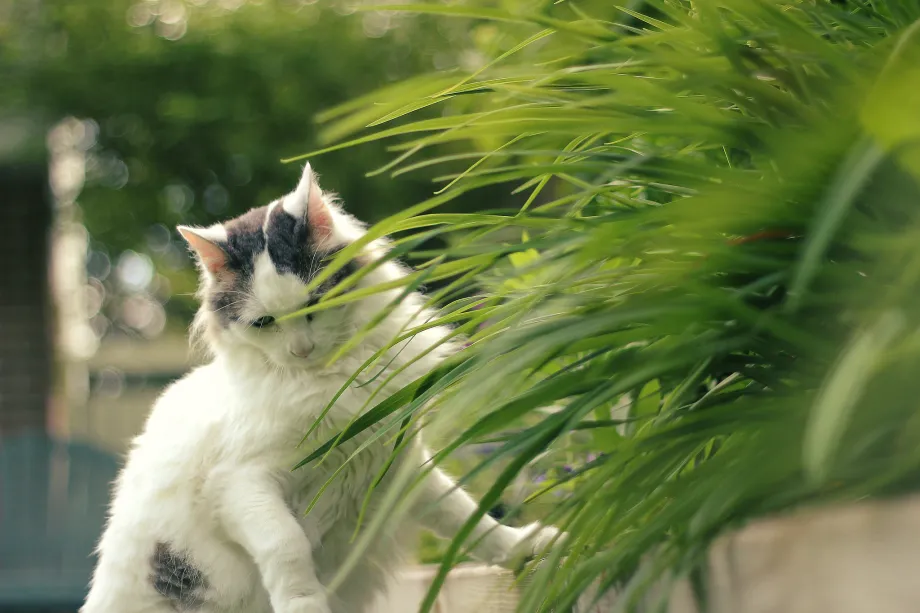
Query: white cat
{"type": "Point", "coordinates": [207, 514]}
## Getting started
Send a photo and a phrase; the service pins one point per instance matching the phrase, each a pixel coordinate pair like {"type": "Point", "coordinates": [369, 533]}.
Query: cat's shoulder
{"type": "Point", "coordinates": [202, 382]}
{"type": "Point", "coordinates": [194, 397]}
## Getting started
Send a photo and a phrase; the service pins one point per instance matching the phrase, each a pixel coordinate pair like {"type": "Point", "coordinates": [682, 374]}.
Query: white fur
{"type": "Point", "coordinates": [211, 472]}
{"type": "Point", "coordinates": [215, 233]}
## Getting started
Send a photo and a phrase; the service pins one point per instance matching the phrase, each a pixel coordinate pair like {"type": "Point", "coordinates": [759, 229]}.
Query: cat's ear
{"type": "Point", "coordinates": [205, 243]}
{"type": "Point", "coordinates": [307, 202]}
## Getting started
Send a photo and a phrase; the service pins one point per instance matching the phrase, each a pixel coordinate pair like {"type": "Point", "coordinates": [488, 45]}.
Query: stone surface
{"type": "Point", "coordinates": [854, 559]}
{"type": "Point", "coordinates": [859, 558]}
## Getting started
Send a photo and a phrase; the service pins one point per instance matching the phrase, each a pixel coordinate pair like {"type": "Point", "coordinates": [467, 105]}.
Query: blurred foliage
{"type": "Point", "coordinates": [706, 310]}
{"type": "Point", "coordinates": [189, 106]}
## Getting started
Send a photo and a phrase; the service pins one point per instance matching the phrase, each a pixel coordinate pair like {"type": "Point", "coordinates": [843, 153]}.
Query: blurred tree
{"type": "Point", "coordinates": [189, 107]}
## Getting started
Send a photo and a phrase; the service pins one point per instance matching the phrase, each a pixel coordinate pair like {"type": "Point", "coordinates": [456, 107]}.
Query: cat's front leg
{"type": "Point", "coordinates": [446, 508]}
{"type": "Point", "coordinates": [252, 508]}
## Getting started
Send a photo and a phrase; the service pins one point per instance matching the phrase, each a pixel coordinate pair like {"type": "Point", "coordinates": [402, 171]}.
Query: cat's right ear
{"type": "Point", "coordinates": [307, 202]}
{"type": "Point", "coordinates": [205, 243]}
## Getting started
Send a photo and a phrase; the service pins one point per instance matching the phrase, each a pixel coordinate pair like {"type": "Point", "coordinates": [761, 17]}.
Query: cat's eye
{"type": "Point", "coordinates": [312, 302]}
{"type": "Point", "coordinates": [263, 321]}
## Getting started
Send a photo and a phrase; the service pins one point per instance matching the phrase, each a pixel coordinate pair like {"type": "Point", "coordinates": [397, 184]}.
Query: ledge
{"type": "Point", "coordinates": [858, 558]}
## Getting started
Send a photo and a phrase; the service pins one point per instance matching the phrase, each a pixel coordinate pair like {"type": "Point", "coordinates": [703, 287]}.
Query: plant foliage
{"type": "Point", "coordinates": [710, 274]}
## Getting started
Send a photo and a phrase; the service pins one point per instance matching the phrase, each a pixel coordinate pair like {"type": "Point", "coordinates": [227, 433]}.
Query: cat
{"type": "Point", "coordinates": [207, 514]}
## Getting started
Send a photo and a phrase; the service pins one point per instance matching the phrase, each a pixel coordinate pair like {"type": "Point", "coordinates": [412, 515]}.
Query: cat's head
{"type": "Point", "coordinates": [255, 269]}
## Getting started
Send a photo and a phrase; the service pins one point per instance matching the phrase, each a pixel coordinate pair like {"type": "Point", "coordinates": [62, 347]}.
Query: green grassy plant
{"type": "Point", "coordinates": [698, 304]}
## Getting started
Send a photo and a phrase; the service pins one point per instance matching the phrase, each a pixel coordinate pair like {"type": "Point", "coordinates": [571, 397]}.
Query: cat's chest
{"type": "Point", "coordinates": [332, 490]}
{"type": "Point", "coordinates": [288, 433]}
{"type": "Point", "coordinates": [284, 416]}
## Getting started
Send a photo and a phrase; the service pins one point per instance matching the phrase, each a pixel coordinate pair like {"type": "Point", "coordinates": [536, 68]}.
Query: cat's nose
{"type": "Point", "coordinates": [301, 351]}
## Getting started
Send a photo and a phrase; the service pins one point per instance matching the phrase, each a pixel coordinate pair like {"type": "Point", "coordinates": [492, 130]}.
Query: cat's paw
{"type": "Point", "coordinates": [534, 540]}
{"type": "Point", "coordinates": [315, 603]}
{"type": "Point", "coordinates": [537, 539]}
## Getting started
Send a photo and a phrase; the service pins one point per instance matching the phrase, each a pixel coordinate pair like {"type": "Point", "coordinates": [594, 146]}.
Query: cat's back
{"type": "Point", "coordinates": [194, 401]}
{"type": "Point", "coordinates": [211, 422]}
{"type": "Point", "coordinates": [162, 523]}
{"type": "Point", "coordinates": [169, 459]}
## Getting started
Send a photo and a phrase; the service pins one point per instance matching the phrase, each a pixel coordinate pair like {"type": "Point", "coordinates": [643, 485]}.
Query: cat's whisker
{"type": "Point", "coordinates": [234, 303]}
{"type": "Point", "coordinates": [314, 265]}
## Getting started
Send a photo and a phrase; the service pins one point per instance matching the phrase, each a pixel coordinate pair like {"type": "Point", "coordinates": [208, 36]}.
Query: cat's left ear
{"type": "Point", "coordinates": [205, 242]}
{"type": "Point", "coordinates": [307, 202]}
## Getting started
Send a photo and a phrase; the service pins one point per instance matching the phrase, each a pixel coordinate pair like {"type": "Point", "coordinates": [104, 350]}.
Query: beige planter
{"type": "Point", "coordinates": [854, 559]}
{"type": "Point", "coordinates": [479, 589]}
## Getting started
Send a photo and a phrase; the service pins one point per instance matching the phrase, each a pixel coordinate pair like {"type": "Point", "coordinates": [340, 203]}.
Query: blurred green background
{"type": "Point", "coordinates": [187, 108]}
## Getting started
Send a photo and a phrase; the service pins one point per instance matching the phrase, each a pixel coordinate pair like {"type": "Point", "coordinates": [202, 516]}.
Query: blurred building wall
{"type": "Point", "coordinates": [25, 315]}
{"type": "Point", "coordinates": [53, 494]}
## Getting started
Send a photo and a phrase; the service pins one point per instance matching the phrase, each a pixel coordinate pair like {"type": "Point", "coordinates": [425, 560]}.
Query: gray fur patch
{"type": "Point", "coordinates": [175, 578]}
{"type": "Point", "coordinates": [245, 240]}
{"type": "Point", "coordinates": [290, 245]}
